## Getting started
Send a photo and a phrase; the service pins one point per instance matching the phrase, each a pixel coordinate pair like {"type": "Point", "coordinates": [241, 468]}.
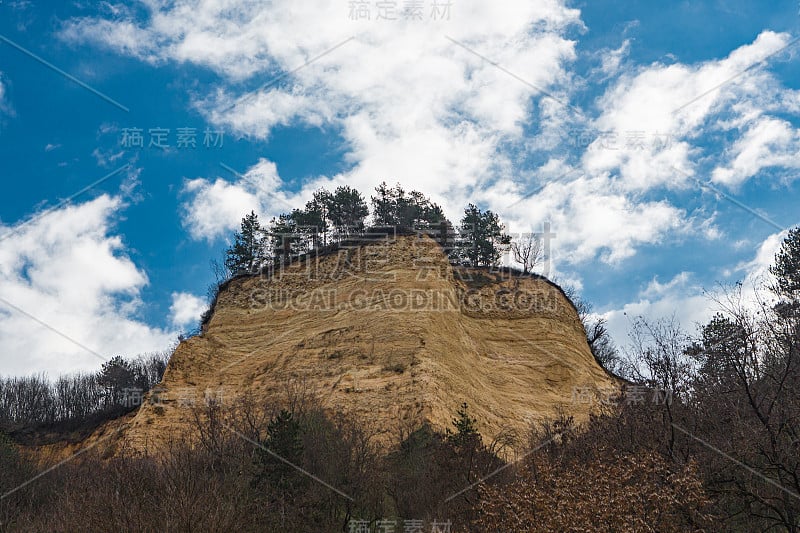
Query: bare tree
{"type": "Point", "coordinates": [749, 360]}
{"type": "Point", "coordinates": [597, 335]}
{"type": "Point", "coordinates": [528, 250]}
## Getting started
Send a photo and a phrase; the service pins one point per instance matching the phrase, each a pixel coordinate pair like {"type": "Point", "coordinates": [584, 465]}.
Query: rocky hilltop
{"type": "Point", "coordinates": [388, 332]}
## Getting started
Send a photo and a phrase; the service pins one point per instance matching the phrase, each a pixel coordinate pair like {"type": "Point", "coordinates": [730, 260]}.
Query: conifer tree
{"type": "Point", "coordinates": [249, 251]}
{"type": "Point", "coordinates": [347, 210]}
{"type": "Point", "coordinates": [482, 237]}
{"type": "Point", "coordinates": [787, 267]}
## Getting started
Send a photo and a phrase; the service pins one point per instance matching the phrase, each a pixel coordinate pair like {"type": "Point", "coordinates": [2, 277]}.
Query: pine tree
{"type": "Point", "coordinates": [281, 453]}
{"type": "Point", "coordinates": [285, 236]}
{"type": "Point", "coordinates": [787, 267]}
{"type": "Point", "coordinates": [466, 432]}
{"type": "Point", "coordinates": [278, 459]}
{"type": "Point", "coordinates": [314, 219]}
{"type": "Point", "coordinates": [482, 237]}
{"type": "Point", "coordinates": [394, 207]}
{"type": "Point", "coordinates": [723, 346]}
{"type": "Point", "coordinates": [248, 252]}
{"type": "Point", "coordinates": [347, 210]}
{"type": "Point", "coordinates": [116, 375]}
{"type": "Point", "coordinates": [383, 210]}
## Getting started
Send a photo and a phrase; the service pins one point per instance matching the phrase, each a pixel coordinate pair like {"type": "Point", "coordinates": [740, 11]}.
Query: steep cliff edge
{"type": "Point", "coordinates": [390, 333]}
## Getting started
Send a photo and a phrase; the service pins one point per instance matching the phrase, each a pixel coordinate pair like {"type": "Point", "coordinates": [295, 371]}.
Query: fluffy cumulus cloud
{"type": "Point", "coordinates": [463, 109]}
{"type": "Point", "coordinates": [412, 99]}
{"type": "Point", "coordinates": [651, 119]}
{"type": "Point", "coordinates": [69, 294]}
{"type": "Point", "coordinates": [591, 216]}
{"type": "Point", "coordinates": [186, 309]}
{"type": "Point", "coordinates": [768, 142]}
{"type": "Point", "coordinates": [216, 206]}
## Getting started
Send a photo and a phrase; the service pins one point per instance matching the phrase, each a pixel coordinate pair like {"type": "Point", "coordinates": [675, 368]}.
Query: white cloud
{"type": "Point", "coordinates": [593, 216]}
{"type": "Point", "coordinates": [757, 269]}
{"type": "Point", "coordinates": [693, 305]}
{"type": "Point", "coordinates": [186, 309]}
{"type": "Point", "coordinates": [668, 106]}
{"type": "Point", "coordinates": [411, 105]}
{"type": "Point", "coordinates": [611, 60]}
{"type": "Point", "coordinates": [654, 288]}
{"type": "Point", "coordinates": [68, 270]}
{"type": "Point", "coordinates": [215, 207]}
{"type": "Point", "coordinates": [678, 298]}
{"type": "Point", "coordinates": [242, 39]}
{"type": "Point", "coordinates": [257, 114]}
{"type": "Point", "coordinates": [4, 105]}
{"type": "Point", "coordinates": [105, 158]}
{"type": "Point", "coordinates": [415, 107]}
{"type": "Point", "coordinates": [769, 142]}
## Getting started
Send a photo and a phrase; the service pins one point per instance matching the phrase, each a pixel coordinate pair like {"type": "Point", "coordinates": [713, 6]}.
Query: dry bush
{"type": "Point", "coordinates": [612, 492]}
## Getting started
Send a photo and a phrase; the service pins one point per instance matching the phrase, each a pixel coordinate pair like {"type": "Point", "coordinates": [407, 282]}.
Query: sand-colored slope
{"type": "Point", "coordinates": [388, 333]}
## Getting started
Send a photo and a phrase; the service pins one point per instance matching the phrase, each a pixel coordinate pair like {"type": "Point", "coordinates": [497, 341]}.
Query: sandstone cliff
{"type": "Point", "coordinates": [388, 332]}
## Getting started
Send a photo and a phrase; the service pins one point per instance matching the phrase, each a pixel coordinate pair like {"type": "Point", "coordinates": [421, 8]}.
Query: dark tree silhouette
{"type": "Point", "coordinates": [787, 267]}
{"type": "Point", "coordinates": [248, 252]}
{"type": "Point", "coordinates": [347, 210]}
{"type": "Point", "coordinates": [482, 238]}
{"type": "Point", "coordinates": [395, 207]}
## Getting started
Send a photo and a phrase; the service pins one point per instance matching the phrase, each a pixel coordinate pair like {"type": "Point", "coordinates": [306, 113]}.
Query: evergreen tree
{"type": "Point", "coordinates": [307, 224]}
{"type": "Point", "coordinates": [413, 210]}
{"type": "Point", "coordinates": [432, 213]}
{"type": "Point", "coordinates": [383, 212]}
{"type": "Point", "coordinates": [787, 267]}
{"type": "Point", "coordinates": [394, 207]}
{"type": "Point", "coordinates": [471, 456]}
{"type": "Point", "coordinates": [466, 434]}
{"type": "Point", "coordinates": [248, 252]}
{"type": "Point", "coordinates": [347, 210]}
{"type": "Point", "coordinates": [277, 462]}
{"type": "Point", "coordinates": [283, 445]}
{"type": "Point", "coordinates": [285, 236]}
{"type": "Point", "coordinates": [723, 348]}
{"type": "Point", "coordinates": [316, 216]}
{"type": "Point", "coordinates": [482, 237]}
{"type": "Point", "coordinates": [116, 375]}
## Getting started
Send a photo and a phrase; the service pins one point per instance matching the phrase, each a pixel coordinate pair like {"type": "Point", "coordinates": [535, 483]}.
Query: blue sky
{"type": "Point", "coordinates": [646, 133]}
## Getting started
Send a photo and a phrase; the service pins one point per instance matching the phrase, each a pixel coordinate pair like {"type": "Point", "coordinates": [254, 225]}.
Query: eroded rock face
{"type": "Point", "coordinates": [391, 334]}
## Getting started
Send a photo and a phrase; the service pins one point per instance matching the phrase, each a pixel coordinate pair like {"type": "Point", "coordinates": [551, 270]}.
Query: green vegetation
{"type": "Point", "coordinates": [787, 268]}
{"type": "Point", "coordinates": [248, 252]}
{"type": "Point", "coordinates": [330, 218]}
{"type": "Point", "coordinates": [395, 207]}
{"type": "Point", "coordinates": [481, 238]}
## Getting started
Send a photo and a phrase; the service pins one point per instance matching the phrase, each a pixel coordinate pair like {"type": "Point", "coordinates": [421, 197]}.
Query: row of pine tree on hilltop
{"type": "Point", "coordinates": [331, 217]}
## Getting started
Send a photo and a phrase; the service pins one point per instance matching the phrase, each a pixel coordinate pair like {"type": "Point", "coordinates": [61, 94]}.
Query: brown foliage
{"type": "Point", "coordinates": [612, 492]}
